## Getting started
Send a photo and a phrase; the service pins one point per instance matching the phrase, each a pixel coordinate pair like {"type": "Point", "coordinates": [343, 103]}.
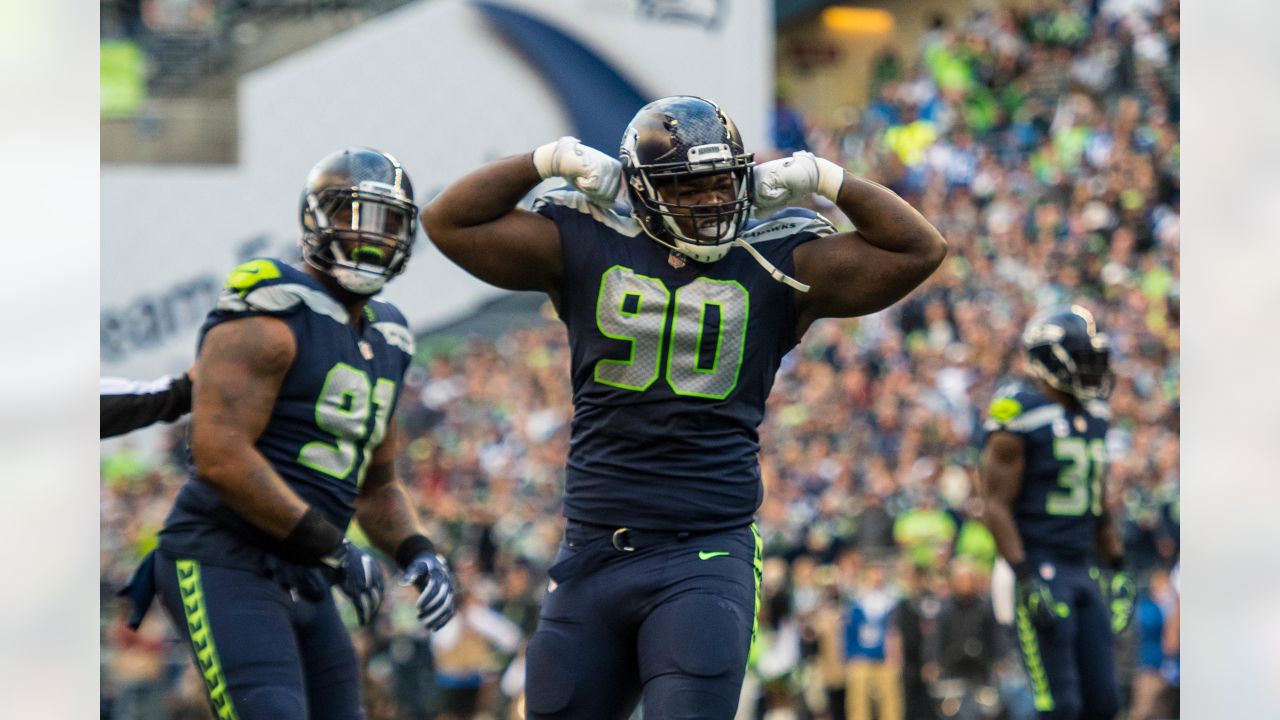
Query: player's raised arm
{"type": "Point", "coordinates": [893, 249]}
{"type": "Point", "coordinates": [475, 221]}
{"type": "Point", "coordinates": [242, 365]}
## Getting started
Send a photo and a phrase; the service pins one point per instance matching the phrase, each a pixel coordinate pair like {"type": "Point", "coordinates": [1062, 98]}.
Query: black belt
{"type": "Point", "coordinates": [594, 544]}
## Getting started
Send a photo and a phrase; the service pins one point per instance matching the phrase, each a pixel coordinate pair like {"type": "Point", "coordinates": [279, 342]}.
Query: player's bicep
{"type": "Point", "coordinates": [242, 365]}
{"type": "Point", "coordinates": [518, 251]}
{"type": "Point", "coordinates": [849, 276]}
{"type": "Point", "coordinates": [1000, 467]}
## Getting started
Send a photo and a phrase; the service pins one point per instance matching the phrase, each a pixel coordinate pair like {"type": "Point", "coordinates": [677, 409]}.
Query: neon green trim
{"type": "Point", "coordinates": [757, 564]}
{"type": "Point", "coordinates": [251, 273]}
{"type": "Point", "coordinates": [193, 606]}
{"type": "Point", "coordinates": [702, 329]}
{"type": "Point", "coordinates": [715, 364]}
{"type": "Point", "coordinates": [629, 339]}
{"type": "Point", "coordinates": [1034, 663]}
{"type": "Point", "coordinates": [708, 554]}
{"type": "Point", "coordinates": [336, 459]}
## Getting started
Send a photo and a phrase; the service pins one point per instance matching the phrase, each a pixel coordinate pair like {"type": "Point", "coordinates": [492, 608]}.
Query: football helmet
{"type": "Point", "coordinates": [669, 143]}
{"type": "Point", "coordinates": [1067, 351]}
{"type": "Point", "coordinates": [359, 219]}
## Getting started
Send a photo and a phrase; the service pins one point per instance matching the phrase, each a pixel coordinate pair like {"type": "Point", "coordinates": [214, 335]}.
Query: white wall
{"type": "Point", "coordinates": [431, 83]}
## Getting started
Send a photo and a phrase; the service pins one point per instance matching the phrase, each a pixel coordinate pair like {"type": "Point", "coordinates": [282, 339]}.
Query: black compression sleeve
{"type": "Point", "coordinates": [311, 539]}
{"type": "Point", "coordinates": [411, 547]}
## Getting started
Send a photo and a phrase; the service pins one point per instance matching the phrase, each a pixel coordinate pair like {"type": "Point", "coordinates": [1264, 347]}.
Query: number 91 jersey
{"type": "Point", "coordinates": [329, 416]}
{"type": "Point", "coordinates": [1063, 494]}
{"type": "Point", "coordinates": [672, 361]}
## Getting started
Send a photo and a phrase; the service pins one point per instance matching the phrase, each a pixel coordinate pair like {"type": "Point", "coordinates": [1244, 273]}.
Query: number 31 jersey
{"type": "Point", "coordinates": [1062, 495]}
{"type": "Point", "coordinates": [329, 416]}
{"type": "Point", "coordinates": [672, 361]}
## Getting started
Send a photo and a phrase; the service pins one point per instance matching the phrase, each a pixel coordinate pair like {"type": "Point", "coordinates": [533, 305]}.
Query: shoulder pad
{"type": "Point", "coordinates": [788, 222]}
{"type": "Point", "coordinates": [1019, 408]}
{"type": "Point", "coordinates": [388, 320]}
{"type": "Point", "coordinates": [567, 197]}
{"type": "Point", "coordinates": [268, 286]}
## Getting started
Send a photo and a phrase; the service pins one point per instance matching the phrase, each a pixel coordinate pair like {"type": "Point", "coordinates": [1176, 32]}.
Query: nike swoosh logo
{"type": "Point", "coordinates": [705, 555]}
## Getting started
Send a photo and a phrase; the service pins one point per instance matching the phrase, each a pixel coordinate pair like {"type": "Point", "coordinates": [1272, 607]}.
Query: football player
{"type": "Point", "coordinates": [1043, 466]}
{"type": "Point", "coordinates": [679, 311]}
{"type": "Point", "coordinates": [292, 436]}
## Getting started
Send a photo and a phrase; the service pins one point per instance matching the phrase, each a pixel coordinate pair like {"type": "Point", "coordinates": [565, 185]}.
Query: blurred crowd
{"type": "Point", "coordinates": [1044, 145]}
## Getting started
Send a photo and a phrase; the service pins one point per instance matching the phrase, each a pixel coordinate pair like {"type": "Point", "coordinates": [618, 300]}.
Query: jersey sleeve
{"type": "Point", "coordinates": [127, 405]}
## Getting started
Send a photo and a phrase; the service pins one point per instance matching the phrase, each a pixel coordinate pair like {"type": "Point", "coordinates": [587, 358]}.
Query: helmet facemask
{"type": "Point", "coordinates": [361, 237]}
{"type": "Point", "coordinates": [661, 194]}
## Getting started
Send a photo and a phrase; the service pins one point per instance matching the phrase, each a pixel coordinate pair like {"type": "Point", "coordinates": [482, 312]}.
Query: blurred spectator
{"type": "Point", "coordinates": [968, 646]}
{"type": "Point", "coordinates": [873, 651]}
{"type": "Point", "coordinates": [1155, 604]}
{"type": "Point", "coordinates": [916, 620]}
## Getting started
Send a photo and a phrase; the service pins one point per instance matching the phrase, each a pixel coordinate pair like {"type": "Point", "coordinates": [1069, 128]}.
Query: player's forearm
{"type": "Point", "coordinates": [387, 517]}
{"type": "Point", "coordinates": [1109, 541]}
{"type": "Point", "coordinates": [889, 222]}
{"type": "Point", "coordinates": [999, 520]}
{"type": "Point", "coordinates": [480, 197]}
{"type": "Point", "coordinates": [247, 483]}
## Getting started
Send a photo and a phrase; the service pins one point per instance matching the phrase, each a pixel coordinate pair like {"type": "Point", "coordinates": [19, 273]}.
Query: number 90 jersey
{"type": "Point", "coordinates": [330, 414]}
{"type": "Point", "coordinates": [672, 361]}
{"type": "Point", "coordinates": [1063, 494]}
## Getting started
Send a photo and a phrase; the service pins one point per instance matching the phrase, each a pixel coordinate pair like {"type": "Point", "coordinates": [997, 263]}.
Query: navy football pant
{"type": "Point", "coordinates": [263, 655]}
{"type": "Point", "coordinates": [670, 623]}
{"type": "Point", "coordinates": [1071, 665]}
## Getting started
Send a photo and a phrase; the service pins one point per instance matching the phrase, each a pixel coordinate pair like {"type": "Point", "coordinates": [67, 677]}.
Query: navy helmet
{"type": "Point", "coordinates": [669, 142]}
{"type": "Point", "coordinates": [1066, 350]}
{"type": "Point", "coordinates": [359, 219]}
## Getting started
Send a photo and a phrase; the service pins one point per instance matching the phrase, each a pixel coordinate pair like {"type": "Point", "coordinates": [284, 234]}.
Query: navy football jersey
{"type": "Point", "coordinates": [329, 416]}
{"type": "Point", "coordinates": [1058, 508]}
{"type": "Point", "coordinates": [672, 361]}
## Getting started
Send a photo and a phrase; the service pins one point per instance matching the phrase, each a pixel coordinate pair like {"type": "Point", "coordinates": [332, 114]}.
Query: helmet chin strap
{"type": "Point", "coordinates": [769, 267]}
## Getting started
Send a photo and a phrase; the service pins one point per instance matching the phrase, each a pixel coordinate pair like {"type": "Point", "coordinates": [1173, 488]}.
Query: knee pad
{"type": "Point", "coordinates": [549, 671]}
{"type": "Point", "coordinates": [270, 703]}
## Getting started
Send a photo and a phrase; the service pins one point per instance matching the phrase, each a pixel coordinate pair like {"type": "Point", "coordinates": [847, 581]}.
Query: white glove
{"type": "Point", "coordinates": [597, 175]}
{"type": "Point", "coordinates": [787, 181]}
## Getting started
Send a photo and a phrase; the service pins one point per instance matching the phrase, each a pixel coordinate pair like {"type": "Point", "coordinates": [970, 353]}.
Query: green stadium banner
{"type": "Point", "coordinates": [123, 84]}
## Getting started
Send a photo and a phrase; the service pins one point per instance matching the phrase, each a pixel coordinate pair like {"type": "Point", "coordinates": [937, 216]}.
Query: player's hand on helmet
{"type": "Point", "coordinates": [788, 181]}
{"type": "Point", "coordinates": [595, 174]}
{"type": "Point", "coordinates": [1121, 596]}
{"type": "Point", "coordinates": [429, 573]}
{"type": "Point", "coordinates": [357, 574]}
{"type": "Point", "coordinates": [1036, 599]}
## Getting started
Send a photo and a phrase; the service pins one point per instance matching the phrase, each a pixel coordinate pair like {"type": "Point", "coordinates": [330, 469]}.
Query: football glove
{"type": "Point", "coordinates": [429, 573]}
{"type": "Point", "coordinates": [787, 181]}
{"type": "Point", "coordinates": [357, 574]}
{"type": "Point", "coordinates": [596, 175]}
{"type": "Point", "coordinates": [1121, 595]}
{"type": "Point", "coordinates": [1036, 597]}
